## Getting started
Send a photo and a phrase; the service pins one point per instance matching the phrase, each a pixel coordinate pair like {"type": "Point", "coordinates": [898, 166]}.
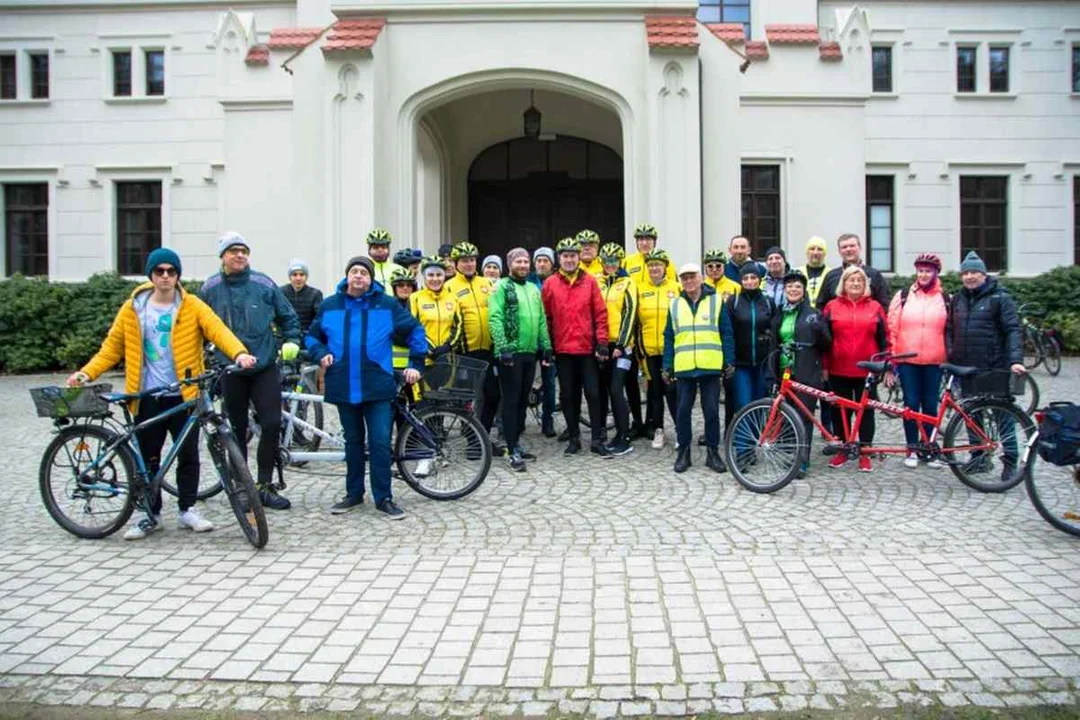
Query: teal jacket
{"type": "Point", "coordinates": [251, 304]}
{"type": "Point", "coordinates": [530, 321]}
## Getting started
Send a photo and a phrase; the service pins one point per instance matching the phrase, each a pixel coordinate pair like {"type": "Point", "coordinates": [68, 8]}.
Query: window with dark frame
{"type": "Point", "coordinates": [138, 224]}
{"type": "Point", "coordinates": [1076, 68]}
{"type": "Point", "coordinates": [155, 72]}
{"type": "Point", "coordinates": [26, 228]}
{"type": "Point", "coordinates": [725, 11]}
{"type": "Point", "coordinates": [984, 205]}
{"type": "Point", "coordinates": [761, 207]}
{"type": "Point", "coordinates": [999, 69]}
{"type": "Point", "coordinates": [880, 214]}
{"type": "Point", "coordinates": [882, 69]}
{"type": "Point", "coordinates": [7, 77]}
{"type": "Point", "coordinates": [1076, 219]}
{"type": "Point", "coordinates": [121, 73]}
{"type": "Point", "coordinates": [965, 69]}
{"type": "Point", "coordinates": [39, 75]}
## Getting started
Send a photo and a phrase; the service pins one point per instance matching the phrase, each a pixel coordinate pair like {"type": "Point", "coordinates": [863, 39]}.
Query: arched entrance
{"type": "Point", "coordinates": [529, 192]}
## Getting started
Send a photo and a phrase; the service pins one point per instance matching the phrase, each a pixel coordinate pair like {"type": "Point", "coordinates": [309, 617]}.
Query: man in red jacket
{"type": "Point", "coordinates": [577, 320]}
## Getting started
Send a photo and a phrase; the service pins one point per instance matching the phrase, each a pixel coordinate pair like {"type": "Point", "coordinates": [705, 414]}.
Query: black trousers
{"type": "Point", "coordinates": [263, 390]}
{"type": "Point", "coordinates": [489, 405]}
{"type": "Point", "coordinates": [152, 439]}
{"type": "Point", "coordinates": [633, 390]}
{"type": "Point", "coordinates": [852, 388]}
{"type": "Point", "coordinates": [613, 395]}
{"type": "Point", "coordinates": [579, 373]}
{"type": "Point", "coordinates": [657, 394]}
{"type": "Point", "coordinates": [515, 382]}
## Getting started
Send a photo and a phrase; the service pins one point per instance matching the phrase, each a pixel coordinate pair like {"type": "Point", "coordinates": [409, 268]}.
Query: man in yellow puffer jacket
{"type": "Point", "coordinates": [159, 333]}
{"type": "Point", "coordinates": [473, 291]}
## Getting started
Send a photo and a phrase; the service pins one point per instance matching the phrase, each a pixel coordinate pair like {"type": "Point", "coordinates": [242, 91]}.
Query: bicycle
{"type": "Point", "coordinates": [1056, 493]}
{"type": "Point", "coordinates": [1041, 346]}
{"type": "Point", "coordinates": [767, 446]}
{"type": "Point", "coordinates": [95, 466]}
{"type": "Point", "coordinates": [1024, 388]}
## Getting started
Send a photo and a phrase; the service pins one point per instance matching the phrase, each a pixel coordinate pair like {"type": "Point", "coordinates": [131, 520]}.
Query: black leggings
{"type": "Point", "coordinates": [633, 389]}
{"type": "Point", "coordinates": [657, 394]}
{"type": "Point", "coordinates": [613, 393]}
{"type": "Point", "coordinates": [263, 390]}
{"type": "Point", "coordinates": [516, 381]}
{"type": "Point", "coordinates": [578, 373]}
{"type": "Point", "coordinates": [152, 438]}
{"type": "Point", "coordinates": [852, 388]}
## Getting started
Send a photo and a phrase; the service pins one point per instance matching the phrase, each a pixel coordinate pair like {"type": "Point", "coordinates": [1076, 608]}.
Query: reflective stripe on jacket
{"type": "Point", "coordinates": [620, 297]}
{"type": "Point", "coordinates": [698, 335]}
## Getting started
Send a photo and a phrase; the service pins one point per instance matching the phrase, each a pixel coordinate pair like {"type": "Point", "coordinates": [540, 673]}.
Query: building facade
{"type": "Point", "coordinates": [938, 125]}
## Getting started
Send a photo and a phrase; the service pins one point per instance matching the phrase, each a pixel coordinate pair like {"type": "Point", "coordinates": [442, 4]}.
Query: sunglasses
{"type": "Point", "coordinates": [165, 271]}
{"type": "Point", "coordinates": [714, 265]}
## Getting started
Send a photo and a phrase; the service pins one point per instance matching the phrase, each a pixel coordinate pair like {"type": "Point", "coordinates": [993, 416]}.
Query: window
{"type": "Point", "coordinates": [879, 221]}
{"type": "Point", "coordinates": [965, 69]}
{"type": "Point", "coordinates": [155, 72]}
{"type": "Point", "coordinates": [999, 69]}
{"type": "Point", "coordinates": [983, 211]}
{"type": "Point", "coordinates": [1076, 219]}
{"type": "Point", "coordinates": [138, 224]}
{"type": "Point", "coordinates": [121, 73]}
{"type": "Point", "coordinates": [725, 11]}
{"type": "Point", "coordinates": [26, 228]}
{"type": "Point", "coordinates": [882, 69]}
{"type": "Point", "coordinates": [7, 77]}
{"type": "Point", "coordinates": [1076, 68]}
{"type": "Point", "coordinates": [761, 206]}
{"type": "Point", "coordinates": [39, 75]}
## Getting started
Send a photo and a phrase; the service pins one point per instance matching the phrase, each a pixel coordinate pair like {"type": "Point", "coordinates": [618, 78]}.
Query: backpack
{"type": "Point", "coordinates": [1059, 434]}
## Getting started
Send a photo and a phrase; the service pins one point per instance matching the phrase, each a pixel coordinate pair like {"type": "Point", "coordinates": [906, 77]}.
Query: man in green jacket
{"type": "Point", "coordinates": [518, 334]}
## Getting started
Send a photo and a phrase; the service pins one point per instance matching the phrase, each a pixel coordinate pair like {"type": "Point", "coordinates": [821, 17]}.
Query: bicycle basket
{"type": "Point", "coordinates": [998, 383]}
{"type": "Point", "coordinates": [454, 378]}
{"type": "Point", "coordinates": [71, 402]}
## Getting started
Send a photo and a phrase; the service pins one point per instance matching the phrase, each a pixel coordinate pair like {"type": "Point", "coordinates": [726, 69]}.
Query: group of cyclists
{"type": "Point", "coordinates": [590, 317]}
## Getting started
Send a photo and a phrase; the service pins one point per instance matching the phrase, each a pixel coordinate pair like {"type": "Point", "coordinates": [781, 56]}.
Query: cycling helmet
{"type": "Point", "coordinates": [463, 249]}
{"type": "Point", "coordinates": [588, 237]}
{"type": "Point", "coordinates": [612, 251]}
{"type": "Point", "coordinates": [405, 257]}
{"type": "Point", "coordinates": [645, 230]}
{"type": "Point", "coordinates": [715, 255]}
{"type": "Point", "coordinates": [432, 261]}
{"type": "Point", "coordinates": [378, 236]}
{"type": "Point", "coordinates": [402, 275]}
{"type": "Point", "coordinates": [794, 275]}
{"type": "Point", "coordinates": [929, 259]}
{"type": "Point", "coordinates": [568, 244]}
{"type": "Point", "coordinates": [657, 256]}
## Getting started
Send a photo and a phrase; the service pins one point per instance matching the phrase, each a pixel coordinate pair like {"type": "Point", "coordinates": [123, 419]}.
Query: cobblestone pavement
{"type": "Point", "coordinates": [591, 586]}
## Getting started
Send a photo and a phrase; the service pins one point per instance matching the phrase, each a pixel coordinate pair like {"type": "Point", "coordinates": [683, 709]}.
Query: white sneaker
{"type": "Point", "coordinates": [143, 528]}
{"type": "Point", "coordinates": [935, 464]}
{"type": "Point", "coordinates": [191, 518]}
{"type": "Point", "coordinates": [658, 439]}
{"type": "Point", "coordinates": [911, 461]}
{"type": "Point", "coordinates": [423, 468]}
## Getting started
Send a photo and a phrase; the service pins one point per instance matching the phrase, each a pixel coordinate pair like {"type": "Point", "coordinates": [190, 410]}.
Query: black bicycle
{"type": "Point", "coordinates": [1041, 345]}
{"type": "Point", "coordinates": [93, 475]}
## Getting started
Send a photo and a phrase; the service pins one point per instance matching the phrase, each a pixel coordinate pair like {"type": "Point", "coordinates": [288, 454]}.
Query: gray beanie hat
{"type": "Point", "coordinates": [298, 264]}
{"type": "Point", "coordinates": [231, 239]}
{"type": "Point", "coordinates": [972, 262]}
{"type": "Point", "coordinates": [544, 252]}
{"type": "Point", "coordinates": [492, 260]}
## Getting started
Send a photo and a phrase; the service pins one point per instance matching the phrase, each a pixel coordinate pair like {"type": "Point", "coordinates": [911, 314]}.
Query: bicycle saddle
{"type": "Point", "coordinates": [959, 370]}
{"type": "Point", "coordinates": [874, 367]}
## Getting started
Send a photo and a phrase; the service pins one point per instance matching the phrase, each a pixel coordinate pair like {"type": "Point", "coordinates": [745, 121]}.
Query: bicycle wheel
{"type": "Point", "coordinates": [206, 490]}
{"type": "Point", "coordinates": [446, 460]}
{"type": "Point", "coordinates": [765, 456]}
{"type": "Point", "coordinates": [1033, 352]}
{"type": "Point", "coordinates": [1055, 493]}
{"type": "Point", "coordinates": [1053, 355]}
{"type": "Point", "coordinates": [236, 479]}
{"type": "Point", "coordinates": [100, 504]}
{"type": "Point", "coordinates": [987, 421]}
{"type": "Point", "coordinates": [1028, 400]}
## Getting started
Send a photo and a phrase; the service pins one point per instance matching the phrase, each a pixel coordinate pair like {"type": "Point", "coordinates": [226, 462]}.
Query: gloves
{"type": "Point", "coordinates": [440, 350]}
{"type": "Point", "coordinates": [548, 357]}
{"type": "Point", "coordinates": [289, 351]}
{"type": "Point", "coordinates": [506, 358]}
{"type": "Point", "coordinates": [602, 352]}
{"type": "Point", "coordinates": [729, 372]}
{"type": "Point", "coordinates": [667, 376]}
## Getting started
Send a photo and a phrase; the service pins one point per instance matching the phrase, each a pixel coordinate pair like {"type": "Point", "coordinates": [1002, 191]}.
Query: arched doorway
{"type": "Point", "coordinates": [529, 192]}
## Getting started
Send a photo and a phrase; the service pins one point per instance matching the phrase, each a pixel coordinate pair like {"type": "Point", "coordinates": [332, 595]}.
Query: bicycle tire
{"type": "Point", "coordinates": [470, 449]}
{"type": "Point", "coordinates": [1045, 492]}
{"type": "Point", "coordinates": [979, 467]}
{"type": "Point", "coordinates": [746, 427]}
{"type": "Point", "coordinates": [107, 474]}
{"type": "Point", "coordinates": [239, 487]}
{"type": "Point", "coordinates": [1052, 361]}
{"type": "Point", "coordinates": [1032, 348]}
{"type": "Point", "coordinates": [1031, 396]}
{"type": "Point", "coordinates": [205, 490]}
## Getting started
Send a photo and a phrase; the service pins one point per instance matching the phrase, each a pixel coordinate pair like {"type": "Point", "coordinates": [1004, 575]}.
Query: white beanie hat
{"type": "Point", "coordinates": [230, 239]}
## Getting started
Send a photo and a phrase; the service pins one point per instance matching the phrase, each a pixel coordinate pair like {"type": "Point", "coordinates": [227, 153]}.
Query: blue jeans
{"type": "Point", "coordinates": [747, 385]}
{"type": "Point", "coordinates": [377, 416]}
{"type": "Point", "coordinates": [686, 389]}
{"type": "Point", "coordinates": [921, 385]}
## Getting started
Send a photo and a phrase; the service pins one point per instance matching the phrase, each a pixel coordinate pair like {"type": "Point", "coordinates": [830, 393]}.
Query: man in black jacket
{"type": "Point", "coordinates": [850, 247]}
{"type": "Point", "coordinates": [304, 299]}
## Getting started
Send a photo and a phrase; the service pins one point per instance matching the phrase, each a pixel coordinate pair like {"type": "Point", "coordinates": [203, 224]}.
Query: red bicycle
{"type": "Point", "coordinates": [768, 443]}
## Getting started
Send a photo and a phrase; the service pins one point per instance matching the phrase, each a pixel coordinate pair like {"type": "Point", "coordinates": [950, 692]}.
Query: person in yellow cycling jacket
{"type": "Point", "coordinates": [655, 293]}
{"type": "Point", "coordinates": [724, 286]}
{"type": "Point", "coordinates": [620, 297]}
{"type": "Point", "coordinates": [437, 310]}
{"type": "Point", "coordinates": [645, 239]}
{"type": "Point", "coordinates": [590, 246]}
{"type": "Point", "coordinates": [472, 291]}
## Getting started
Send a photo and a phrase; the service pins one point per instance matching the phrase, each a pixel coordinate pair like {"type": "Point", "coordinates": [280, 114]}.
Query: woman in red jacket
{"type": "Point", "coordinates": [858, 329]}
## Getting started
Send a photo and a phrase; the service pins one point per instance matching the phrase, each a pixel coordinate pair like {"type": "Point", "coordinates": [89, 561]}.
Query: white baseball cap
{"type": "Point", "coordinates": [689, 268]}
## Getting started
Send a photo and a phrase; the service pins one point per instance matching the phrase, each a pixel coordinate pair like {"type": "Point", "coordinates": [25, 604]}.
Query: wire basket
{"type": "Point", "coordinates": [71, 402]}
{"type": "Point", "coordinates": [454, 378]}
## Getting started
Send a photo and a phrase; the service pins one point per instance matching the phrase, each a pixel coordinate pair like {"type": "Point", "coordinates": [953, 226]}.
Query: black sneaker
{"type": "Point", "coordinates": [599, 448]}
{"type": "Point", "coordinates": [517, 463]}
{"type": "Point", "coordinates": [619, 448]}
{"type": "Point", "coordinates": [523, 453]}
{"type": "Point", "coordinates": [270, 499]}
{"type": "Point", "coordinates": [573, 447]}
{"type": "Point", "coordinates": [392, 511]}
{"type": "Point", "coordinates": [564, 436]}
{"type": "Point", "coordinates": [547, 427]}
{"type": "Point", "coordinates": [346, 504]}
{"type": "Point", "coordinates": [637, 430]}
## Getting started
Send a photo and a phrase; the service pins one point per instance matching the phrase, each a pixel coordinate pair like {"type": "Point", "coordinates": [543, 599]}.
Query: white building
{"type": "Point", "coordinates": [934, 125]}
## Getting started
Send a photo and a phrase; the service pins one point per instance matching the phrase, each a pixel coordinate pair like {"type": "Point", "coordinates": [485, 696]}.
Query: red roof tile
{"type": "Point", "coordinates": [258, 55]}
{"type": "Point", "coordinates": [728, 32]}
{"type": "Point", "coordinates": [830, 52]}
{"type": "Point", "coordinates": [292, 38]}
{"type": "Point", "coordinates": [672, 32]}
{"type": "Point", "coordinates": [353, 35]}
{"type": "Point", "coordinates": [792, 34]}
{"type": "Point", "coordinates": [757, 50]}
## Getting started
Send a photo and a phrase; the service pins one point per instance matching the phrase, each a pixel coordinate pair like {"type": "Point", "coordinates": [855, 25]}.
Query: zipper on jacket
{"type": "Point", "coordinates": [753, 334]}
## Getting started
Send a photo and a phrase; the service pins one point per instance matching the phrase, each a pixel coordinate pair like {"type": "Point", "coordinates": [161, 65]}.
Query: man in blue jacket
{"type": "Point", "coordinates": [252, 305]}
{"type": "Point", "coordinates": [352, 339]}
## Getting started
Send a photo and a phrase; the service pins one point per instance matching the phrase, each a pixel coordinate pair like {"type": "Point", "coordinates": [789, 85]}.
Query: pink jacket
{"type": "Point", "coordinates": [919, 326]}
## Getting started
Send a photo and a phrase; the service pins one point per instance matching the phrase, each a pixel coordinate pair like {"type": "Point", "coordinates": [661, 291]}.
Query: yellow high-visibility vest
{"type": "Point", "coordinates": [697, 335]}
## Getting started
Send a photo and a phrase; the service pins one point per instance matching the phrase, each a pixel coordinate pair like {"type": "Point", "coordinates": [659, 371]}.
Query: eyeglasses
{"type": "Point", "coordinates": [162, 271]}
{"type": "Point", "coordinates": [714, 265]}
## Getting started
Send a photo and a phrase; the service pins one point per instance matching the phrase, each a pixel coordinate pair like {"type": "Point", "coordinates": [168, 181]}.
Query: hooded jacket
{"type": "Point", "coordinates": [918, 325]}
{"type": "Point", "coordinates": [751, 315]}
{"type": "Point", "coordinates": [858, 332]}
{"type": "Point", "coordinates": [252, 305]}
{"type": "Point", "coordinates": [576, 314]}
{"type": "Point", "coordinates": [984, 329]}
{"type": "Point", "coordinates": [360, 333]}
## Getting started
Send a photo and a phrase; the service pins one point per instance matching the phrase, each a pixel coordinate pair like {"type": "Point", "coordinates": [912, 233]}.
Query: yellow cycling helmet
{"type": "Point", "coordinates": [660, 256]}
{"type": "Point", "coordinates": [463, 249]}
{"type": "Point", "coordinates": [715, 255]}
{"type": "Point", "coordinates": [612, 251]}
{"type": "Point", "coordinates": [588, 237]}
{"type": "Point", "coordinates": [378, 236]}
{"type": "Point", "coordinates": [432, 261]}
{"type": "Point", "coordinates": [402, 275]}
{"type": "Point", "coordinates": [568, 244]}
{"type": "Point", "coordinates": [645, 230]}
